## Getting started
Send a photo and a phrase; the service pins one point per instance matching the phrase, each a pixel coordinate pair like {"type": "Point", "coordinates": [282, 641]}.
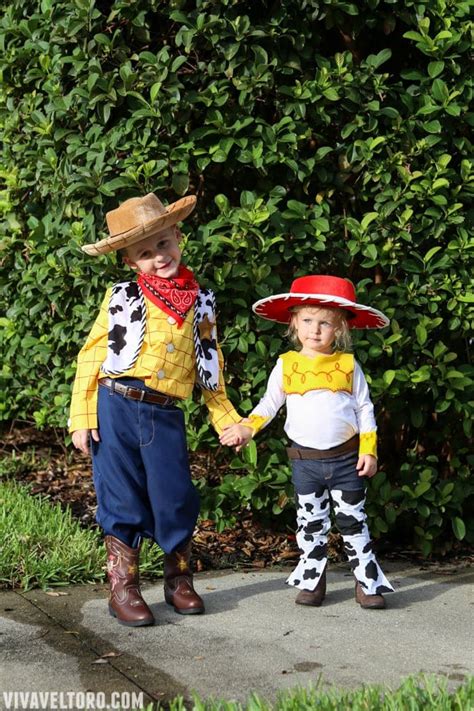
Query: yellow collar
{"type": "Point", "coordinates": [323, 372]}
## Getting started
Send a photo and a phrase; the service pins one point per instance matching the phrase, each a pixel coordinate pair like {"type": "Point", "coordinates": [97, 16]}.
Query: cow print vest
{"type": "Point", "coordinates": [127, 324]}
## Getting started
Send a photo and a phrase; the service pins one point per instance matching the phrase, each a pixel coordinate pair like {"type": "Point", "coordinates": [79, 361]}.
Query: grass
{"type": "Point", "coordinates": [44, 546]}
{"type": "Point", "coordinates": [417, 693]}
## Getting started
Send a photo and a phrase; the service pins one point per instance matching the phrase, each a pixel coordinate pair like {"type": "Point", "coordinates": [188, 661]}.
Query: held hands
{"type": "Point", "coordinates": [367, 465]}
{"type": "Point", "coordinates": [80, 439]}
{"type": "Point", "coordinates": [236, 436]}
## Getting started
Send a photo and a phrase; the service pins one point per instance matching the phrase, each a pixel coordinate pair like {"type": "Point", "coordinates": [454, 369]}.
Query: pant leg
{"type": "Point", "coordinates": [351, 522]}
{"type": "Point", "coordinates": [141, 473]}
{"type": "Point", "coordinates": [173, 498]}
{"type": "Point", "coordinates": [313, 525]}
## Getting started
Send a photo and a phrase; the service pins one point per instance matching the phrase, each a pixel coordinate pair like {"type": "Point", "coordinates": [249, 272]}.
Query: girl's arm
{"type": "Point", "coordinates": [273, 399]}
{"type": "Point", "coordinates": [364, 411]}
{"type": "Point", "coordinates": [261, 415]}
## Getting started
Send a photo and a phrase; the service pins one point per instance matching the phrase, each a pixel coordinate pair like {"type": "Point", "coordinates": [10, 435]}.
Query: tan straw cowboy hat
{"type": "Point", "coordinates": [138, 218]}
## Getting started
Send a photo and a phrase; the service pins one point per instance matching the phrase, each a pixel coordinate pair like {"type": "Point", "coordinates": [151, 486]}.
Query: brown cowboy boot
{"type": "Point", "coordinates": [125, 602]}
{"type": "Point", "coordinates": [313, 597]}
{"type": "Point", "coordinates": [179, 590]}
{"type": "Point", "coordinates": [368, 602]}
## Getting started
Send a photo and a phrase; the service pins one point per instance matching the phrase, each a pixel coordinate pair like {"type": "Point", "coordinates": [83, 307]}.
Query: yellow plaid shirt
{"type": "Point", "coordinates": [166, 363]}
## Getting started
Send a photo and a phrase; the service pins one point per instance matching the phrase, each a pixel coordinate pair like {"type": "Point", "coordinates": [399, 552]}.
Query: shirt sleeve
{"type": "Point", "coordinates": [83, 413]}
{"type": "Point", "coordinates": [364, 411]}
{"type": "Point", "coordinates": [273, 399]}
{"type": "Point", "coordinates": [221, 410]}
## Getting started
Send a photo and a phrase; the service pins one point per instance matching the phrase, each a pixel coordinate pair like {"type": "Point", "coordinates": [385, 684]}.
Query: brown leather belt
{"type": "Point", "coordinates": [136, 393]}
{"type": "Point", "coordinates": [351, 445]}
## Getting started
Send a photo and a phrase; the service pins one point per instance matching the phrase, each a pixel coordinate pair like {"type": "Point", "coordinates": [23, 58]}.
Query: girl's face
{"type": "Point", "coordinates": [316, 329]}
{"type": "Point", "coordinates": [159, 254]}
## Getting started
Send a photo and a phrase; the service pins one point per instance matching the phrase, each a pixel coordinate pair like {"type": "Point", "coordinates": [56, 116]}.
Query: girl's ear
{"type": "Point", "coordinates": [178, 233]}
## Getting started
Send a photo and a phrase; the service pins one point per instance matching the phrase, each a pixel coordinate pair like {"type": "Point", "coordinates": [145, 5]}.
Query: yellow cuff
{"type": "Point", "coordinates": [255, 422]}
{"type": "Point", "coordinates": [368, 443]}
{"type": "Point", "coordinates": [82, 422]}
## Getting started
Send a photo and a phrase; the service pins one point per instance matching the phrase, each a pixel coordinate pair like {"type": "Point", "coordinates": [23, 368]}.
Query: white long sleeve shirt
{"type": "Point", "coordinates": [327, 401]}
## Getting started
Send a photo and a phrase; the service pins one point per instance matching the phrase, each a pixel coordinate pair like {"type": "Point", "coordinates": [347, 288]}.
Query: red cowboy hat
{"type": "Point", "coordinates": [320, 290]}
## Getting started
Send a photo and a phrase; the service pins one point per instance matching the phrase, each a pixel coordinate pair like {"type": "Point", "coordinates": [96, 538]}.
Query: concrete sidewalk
{"type": "Point", "coordinates": [252, 637]}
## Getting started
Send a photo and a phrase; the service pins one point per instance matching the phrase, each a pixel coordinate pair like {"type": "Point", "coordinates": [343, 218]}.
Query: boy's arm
{"type": "Point", "coordinates": [83, 413]}
{"type": "Point", "coordinates": [80, 439]}
{"type": "Point", "coordinates": [221, 411]}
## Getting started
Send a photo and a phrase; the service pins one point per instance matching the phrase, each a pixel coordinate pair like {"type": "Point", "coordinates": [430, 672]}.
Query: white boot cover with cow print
{"type": "Point", "coordinates": [313, 525]}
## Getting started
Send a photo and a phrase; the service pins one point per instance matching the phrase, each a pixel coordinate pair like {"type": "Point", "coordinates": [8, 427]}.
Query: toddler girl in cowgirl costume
{"type": "Point", "coordinates": [330, 420]}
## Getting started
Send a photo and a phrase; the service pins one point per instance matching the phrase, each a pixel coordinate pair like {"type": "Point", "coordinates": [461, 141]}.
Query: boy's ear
{"type": "Point", "coordinates": [128, 262]}
{"type": "Point", "coordinates": [178, 233]}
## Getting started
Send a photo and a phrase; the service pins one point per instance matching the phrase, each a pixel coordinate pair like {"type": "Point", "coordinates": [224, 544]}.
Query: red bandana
{"type": "Point", "coordinates": [173, 296]}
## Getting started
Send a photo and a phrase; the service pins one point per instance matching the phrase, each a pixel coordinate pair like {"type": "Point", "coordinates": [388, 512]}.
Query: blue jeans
{"type": "Point", "coordinates": [141, 471]}
{"type": "Point", "coordinates": [313, 476]}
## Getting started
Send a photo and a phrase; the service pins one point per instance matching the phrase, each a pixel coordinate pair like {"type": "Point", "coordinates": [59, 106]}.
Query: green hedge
{"type": "Point", "coordinates": [320, 136]}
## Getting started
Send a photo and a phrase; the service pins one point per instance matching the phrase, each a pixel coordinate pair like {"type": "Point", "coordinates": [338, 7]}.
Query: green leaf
{"type": "Point", "coordinates": [178, 62]}
{"type": "Point", "coordinates": [448, 488]}
{"type": "Point", "coordinates": [368, 218]}
{"type": "Point", "coordinates": [421, 334]}
{"type": "Point", "coordinates": [321, 224]}
{"type": "Point", "coordinates": [422, 488]}
{"type": "Point", "coordinates": [433, 126]}
{"type": "Point", "coordinates": [299, 208]}
{"type": "Point", "coordinates": [435, 68]}
{"type": "Point", "coordinates": [218, 156]}
{"type": "Point", "coordinates": [440, 90]}
{"type": "Point", "coordinates": [430, 253]}
{"type": "Point", "coordinates": [375, 60]}
{"type": "Point", "coordinates": [411, 34]}
{"type": "Point", "coordinates": [322, 152]}
{"type": "Point", "coordinates": [371, 251]}
{"type": "Point", "coordinates": [250, 453]}
{"type": "Point", "coordinates": [180, 184]}
{"type": "Point", "coordinates": [331, 94]}
{"type": "Point", "coordinates": [459, 528]}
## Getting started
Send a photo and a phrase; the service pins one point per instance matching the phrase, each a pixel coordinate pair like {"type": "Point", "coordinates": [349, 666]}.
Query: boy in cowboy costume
{"type": "Point", "coordinates": [153, 339]}
{"type": "Point", "coordinates": [330, 420]}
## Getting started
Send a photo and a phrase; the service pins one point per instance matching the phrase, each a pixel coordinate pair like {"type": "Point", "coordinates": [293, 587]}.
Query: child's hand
{"type": "Point", "coordinates": [367, 465]}
{"type": "Point", "coordinates": [236, 436]}
{"type": "Point", "coordinates": [80, 439]}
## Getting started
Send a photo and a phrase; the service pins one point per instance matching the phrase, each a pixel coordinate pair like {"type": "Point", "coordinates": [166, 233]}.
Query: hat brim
{"type": "Point", "coordinates": [175, 212]}
{"type": "Point", "coordinates": [278, 308]}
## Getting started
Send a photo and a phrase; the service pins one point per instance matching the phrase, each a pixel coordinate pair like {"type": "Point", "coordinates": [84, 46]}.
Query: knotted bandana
{"type": "Point", "coordinates": [173, 296]}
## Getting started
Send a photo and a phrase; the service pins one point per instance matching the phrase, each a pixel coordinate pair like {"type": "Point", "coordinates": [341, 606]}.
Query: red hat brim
{"type": "Point", "coordinates": [278, 308]}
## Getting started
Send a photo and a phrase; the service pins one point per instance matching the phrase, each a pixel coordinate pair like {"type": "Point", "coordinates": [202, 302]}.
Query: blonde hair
{"type": "Point", "coordinates": [342, 340]}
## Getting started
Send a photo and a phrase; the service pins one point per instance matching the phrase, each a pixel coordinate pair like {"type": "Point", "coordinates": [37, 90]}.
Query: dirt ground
{"type": "Point", "coordinates": [64, 476]}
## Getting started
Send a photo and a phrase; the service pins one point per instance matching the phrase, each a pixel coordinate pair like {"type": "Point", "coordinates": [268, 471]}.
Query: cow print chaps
{"type": "Point", "coordinates": [313, 525]}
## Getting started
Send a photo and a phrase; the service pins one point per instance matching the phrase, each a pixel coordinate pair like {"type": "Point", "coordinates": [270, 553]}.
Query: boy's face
{"type": "Point", "coordinates": [158, 254]}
